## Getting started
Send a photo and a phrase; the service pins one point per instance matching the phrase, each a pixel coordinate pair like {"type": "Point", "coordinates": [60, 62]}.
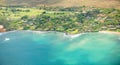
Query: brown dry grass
{"type": "Point", "coordinates": [68, 3]}
{"type": "Point", "coordinates": [92, 3]}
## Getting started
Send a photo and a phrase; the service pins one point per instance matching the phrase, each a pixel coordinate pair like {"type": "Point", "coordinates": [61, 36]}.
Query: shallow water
{"type": "Point", "coordinates": [54, 48]}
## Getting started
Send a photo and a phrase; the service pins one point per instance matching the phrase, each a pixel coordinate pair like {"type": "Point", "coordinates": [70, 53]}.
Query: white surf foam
{"type": "Point", "coordinates": [6, 39]}
{"type": "Point", "coordinates": [0, 33]}
{"type": "Point", "coordinates": [73, 35]}
{"type": "Point", "coordinates": [39, 32]}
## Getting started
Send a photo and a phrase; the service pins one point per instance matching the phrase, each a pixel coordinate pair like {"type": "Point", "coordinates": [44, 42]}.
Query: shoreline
{"type": "Point", "coordinates": [110, 32]}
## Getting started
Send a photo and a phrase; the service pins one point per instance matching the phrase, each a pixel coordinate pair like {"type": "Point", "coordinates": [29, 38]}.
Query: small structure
{"type": "Point", "coordinates": [112, 29]}
{"type": "Point", "coordinates": [118, 26]}
{"type": "Point", "coordinates": [2, 29]}
{"type": "Point", "coordinates": [111, 26]}
{"type": "Point", "coordinates": [1, 26]}
{"type": "Point", "coordinates": [104, 28]}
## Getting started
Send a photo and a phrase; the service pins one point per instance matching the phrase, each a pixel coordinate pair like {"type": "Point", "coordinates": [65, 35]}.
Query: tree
{"type": "Point", "coordinates": [24, 17]}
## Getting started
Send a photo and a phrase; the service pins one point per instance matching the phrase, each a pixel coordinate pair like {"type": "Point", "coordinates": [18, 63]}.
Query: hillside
{"type": "Point", "coordinates": [71, 20]}
{"type": "Point", "coordinates": [30, 2]}
{"type": "Point", "coordinates": [66, 3]}
{"type": "Point", "coordinates": [94, 3]}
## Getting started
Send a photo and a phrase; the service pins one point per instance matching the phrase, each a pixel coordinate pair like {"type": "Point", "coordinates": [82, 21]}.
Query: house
{"type": "Point", "coordinates": [1, 26]}
{"type": "Point", "coordinates": [112, 29]}
{"type": "Point", "coordinates": [104, 28]}
{"type": "Point", "coordinates": [118, 26]}
{"type": "Point", "coordinates": [2, 29]}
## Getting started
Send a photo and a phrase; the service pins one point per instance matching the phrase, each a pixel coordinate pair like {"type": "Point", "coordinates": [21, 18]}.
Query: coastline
{"type": "Point", "coordinates": [110, 32]}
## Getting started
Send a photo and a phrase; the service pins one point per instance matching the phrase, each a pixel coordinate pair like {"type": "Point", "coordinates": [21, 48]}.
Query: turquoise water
{"type": "Point", "coordinates": [54, 48]}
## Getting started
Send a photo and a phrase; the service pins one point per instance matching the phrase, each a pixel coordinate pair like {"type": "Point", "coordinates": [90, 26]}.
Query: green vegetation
{"type": "Point", "coordinates": [71, 19]}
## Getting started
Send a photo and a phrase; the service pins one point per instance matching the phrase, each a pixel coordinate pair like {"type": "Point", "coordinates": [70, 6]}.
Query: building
{"type": "Point", "coordinates": [2, 29]}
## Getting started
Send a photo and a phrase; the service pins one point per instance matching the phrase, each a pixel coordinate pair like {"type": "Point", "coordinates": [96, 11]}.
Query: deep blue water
{"type": "Point", "coordinates": [54, 48]}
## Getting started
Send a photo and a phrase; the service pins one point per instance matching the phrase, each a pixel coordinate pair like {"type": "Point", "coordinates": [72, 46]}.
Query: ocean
{"type": "Point", "coordinates": [56, 48]}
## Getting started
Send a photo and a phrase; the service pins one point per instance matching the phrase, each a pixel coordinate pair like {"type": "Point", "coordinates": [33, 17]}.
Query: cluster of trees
{"type": "Point", "coordinates": [72, 20]}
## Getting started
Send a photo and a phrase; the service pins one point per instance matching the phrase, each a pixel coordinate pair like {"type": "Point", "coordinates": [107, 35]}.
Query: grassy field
{"type": "Point", "coordinates": [10, 13]}
{"type": "Point", "coordinates": [31, 12]}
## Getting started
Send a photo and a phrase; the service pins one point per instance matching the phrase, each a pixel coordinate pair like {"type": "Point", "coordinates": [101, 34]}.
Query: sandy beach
{"type": "Point", "coordinates": [110, 32]}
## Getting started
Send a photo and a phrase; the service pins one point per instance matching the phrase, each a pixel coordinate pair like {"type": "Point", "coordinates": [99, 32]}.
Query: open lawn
{"type": "Point", "coordinates": [15, 13]}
